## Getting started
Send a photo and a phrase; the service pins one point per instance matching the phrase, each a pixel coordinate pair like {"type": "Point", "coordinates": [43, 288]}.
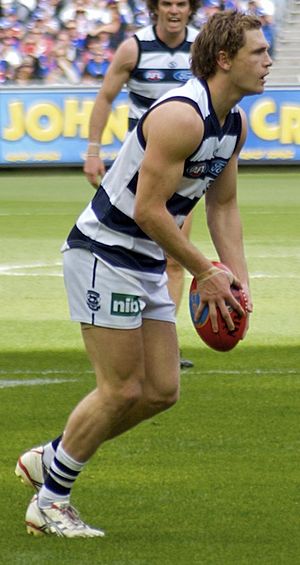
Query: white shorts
{"type": "Point", "coordinates": [103, 295]}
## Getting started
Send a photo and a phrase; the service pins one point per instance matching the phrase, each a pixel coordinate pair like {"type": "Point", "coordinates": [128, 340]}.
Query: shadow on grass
{"type": "Point", "coordinates": [264, 358]}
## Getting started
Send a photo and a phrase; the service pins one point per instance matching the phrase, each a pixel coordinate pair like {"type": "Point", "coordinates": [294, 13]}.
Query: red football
{"type": "Point", "coordinates": [224, 340]}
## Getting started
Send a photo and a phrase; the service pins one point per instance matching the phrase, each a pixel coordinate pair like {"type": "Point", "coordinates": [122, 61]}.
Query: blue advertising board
{"type": "Point", "coordinates": [273, 127]}
{"type": "Point", "coordinates": [50, 126]}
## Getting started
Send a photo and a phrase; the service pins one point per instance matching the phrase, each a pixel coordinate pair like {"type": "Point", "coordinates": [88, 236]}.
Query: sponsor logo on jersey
{"type": "Point", "coordinates": [93, 300]}
{"type": "Point", "coordinates": [124, 304]}
{"type": "Point", "coordinates": [217, 166]}
{"type": "Point", "coordinates": [182, 76]}
{"type": "Point", "coordinates": [214, 168]}
{"type": "Point", "coordinates": [154, 75]}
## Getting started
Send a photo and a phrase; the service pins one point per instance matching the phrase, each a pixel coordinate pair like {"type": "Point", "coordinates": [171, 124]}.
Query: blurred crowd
{"type": "Point", "coordinates": [71, 42]}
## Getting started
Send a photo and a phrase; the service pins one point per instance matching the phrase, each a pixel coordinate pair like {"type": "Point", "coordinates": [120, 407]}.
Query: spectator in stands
{"type": "Point", "coordinates": [210, 7]}
{"type": "Point", "coordinates": [95, 69]}
{"type": "Point", "coordinates": [36, 43]}
{"type": "Point", "coordinates": [268, 28]}
{"type": "Point", "coordinates": [63, 39]}
{"type": "Point", "coordinates": [49, 23]}
{"type": "Point", "coordinates": [6, 72]}
{"type": "Point", "coordinates": [77, 38]}
{"type": "Point", "coordinates": [10, 51]}
{"type": "Point", "coordinates": [35, 27]}
{"type": "Point", "coordinates": [25, 9]}
{"type": "Point", "coordinates": [115, 29]}
{"type": "Point", "coordinates": [266, 17]}
{"type": "Point", "coordinates": [60, 69]}
{"type": "Point", "coordinates": [44, 42]}
{"type": "Point", "coordinates": [27, 73]}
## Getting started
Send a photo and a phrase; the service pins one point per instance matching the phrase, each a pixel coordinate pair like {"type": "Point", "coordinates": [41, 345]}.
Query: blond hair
{"type": "Point", "coordinates": [224, 31]}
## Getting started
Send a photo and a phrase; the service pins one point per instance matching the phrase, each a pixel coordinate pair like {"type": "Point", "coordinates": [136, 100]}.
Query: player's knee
{"type": "Point", "coordinates": [161, 400]}
{"type": "Point", "coordinates": [132, 392]}
{"type": "Point", "coordinates": [123, 396]}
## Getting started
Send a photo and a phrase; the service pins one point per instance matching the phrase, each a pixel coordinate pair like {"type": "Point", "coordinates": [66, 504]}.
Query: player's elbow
{"type": "Point", "coordinates": [149, 217]}
{"type": "Point", "coordinates": [142, 216]}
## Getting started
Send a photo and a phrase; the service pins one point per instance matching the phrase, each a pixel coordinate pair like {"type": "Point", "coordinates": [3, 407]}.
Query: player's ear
{"type": "Point", "coordinates": [224, 61]}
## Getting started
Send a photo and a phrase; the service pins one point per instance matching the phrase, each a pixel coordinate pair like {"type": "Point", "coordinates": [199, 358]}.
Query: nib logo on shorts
{"type": "Point", "coordinates": [124, 304]}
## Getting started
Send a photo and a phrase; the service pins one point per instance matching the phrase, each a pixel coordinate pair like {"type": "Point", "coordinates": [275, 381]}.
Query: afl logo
{"type": "Point", "coordinates": [154, 75]}
{"type": "Point", "coordinates": [182, 76]}
{"type": "Point", "coordinates": [195, 171]}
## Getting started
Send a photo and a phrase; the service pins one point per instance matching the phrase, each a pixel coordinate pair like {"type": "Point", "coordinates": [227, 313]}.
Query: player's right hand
{"type": "Point", "coordinates": [215, 292]}
{"type": "Point", "coordinates": [93, 169]}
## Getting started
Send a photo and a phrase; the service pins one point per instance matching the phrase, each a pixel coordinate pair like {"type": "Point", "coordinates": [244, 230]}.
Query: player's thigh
{"type": "Point", "coordinates": [161, 357]}
{"type": "Point", "coordinates": [117, 356]}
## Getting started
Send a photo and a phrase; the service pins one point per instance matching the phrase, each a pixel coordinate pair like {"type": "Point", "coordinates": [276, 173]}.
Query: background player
{"type": "Point", "coordinates": [154, 60]}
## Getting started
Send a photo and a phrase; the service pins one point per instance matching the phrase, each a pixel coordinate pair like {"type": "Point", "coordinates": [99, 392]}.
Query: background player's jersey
{"type": "Point", "coordinates": [159, 68]}
{"type": "Point", "coordinates": [107, 227]}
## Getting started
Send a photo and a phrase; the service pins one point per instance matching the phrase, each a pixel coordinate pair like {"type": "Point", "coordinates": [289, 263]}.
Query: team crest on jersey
{"type": "Point", "coordinates": [182, 76]}
{"type": "Point", "coordinates": [93, 300]}
{"type": "Point", "coordinates": [154, 75]}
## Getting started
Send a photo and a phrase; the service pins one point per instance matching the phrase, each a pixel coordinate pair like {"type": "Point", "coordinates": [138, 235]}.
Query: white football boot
{"type": "Point", "coordinates": [60, 519]}
{"type": "Point", "coordinates": [31, 469]}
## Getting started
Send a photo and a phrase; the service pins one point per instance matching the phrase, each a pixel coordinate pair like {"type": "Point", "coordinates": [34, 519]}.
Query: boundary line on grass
{"type": "Point", "coordinates": [255, 372]}
{"type": "Point", "coordinates": [8, 383]}
{"type": "Point", "coordinates": [23, 270]}
{"type": "Point", "coordinates": [36, 270]}
{"type": "Point", "coordinates": [34, 382]}
{"type": "Point", "coordinates": [206, 372]}
{"type": "Point", "coordinates": [44, 372]}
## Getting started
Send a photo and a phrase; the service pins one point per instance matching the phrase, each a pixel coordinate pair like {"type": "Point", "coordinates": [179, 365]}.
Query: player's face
{"type": "Point", "coordinates": [173, 15]}
{"type": "Point", "coordinates": [250, 66]}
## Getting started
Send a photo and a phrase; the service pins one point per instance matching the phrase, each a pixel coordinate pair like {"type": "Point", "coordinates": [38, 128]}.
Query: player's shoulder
{"type": "Point", "coordinates": [178, 113]}
{"type": "Point", "coordinates": [191, 33]}
{"type": "Point", "coordinates": [145, 33]}
{"type": "Point", "coordinates": [126, 53]}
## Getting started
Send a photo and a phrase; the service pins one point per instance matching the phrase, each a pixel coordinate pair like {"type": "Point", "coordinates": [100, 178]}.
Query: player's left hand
{"type": "Point", "coordinates": [215, 292]}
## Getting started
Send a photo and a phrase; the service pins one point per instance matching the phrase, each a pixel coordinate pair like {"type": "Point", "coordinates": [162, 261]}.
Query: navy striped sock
{"type": "Point", "coordinates": [63, 472]}
{"type": "Point", "coordinates": [50, 450]}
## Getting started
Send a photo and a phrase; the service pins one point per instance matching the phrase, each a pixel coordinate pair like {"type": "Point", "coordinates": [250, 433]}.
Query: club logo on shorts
{"type": "Point", "coordinates": [124, 304]}
{"type": "Point", "coordinates": [93, 300]}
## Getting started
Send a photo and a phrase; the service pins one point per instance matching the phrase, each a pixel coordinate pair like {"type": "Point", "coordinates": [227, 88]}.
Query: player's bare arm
{"type": "Point", "coordinates": [160, 175]}
{"type": "Point", "coordinates": [223, 218]}
{"type": "Point", "coordinates": [117, 75]}
{"type": "Point", "coordinates": [158, 179]}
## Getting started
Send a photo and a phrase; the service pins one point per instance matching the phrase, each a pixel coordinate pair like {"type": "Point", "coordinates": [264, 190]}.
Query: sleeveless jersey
{"type": "Point", "coordinates": [159, 68]}
{"type": "Point", "coordinates": [107, 227]}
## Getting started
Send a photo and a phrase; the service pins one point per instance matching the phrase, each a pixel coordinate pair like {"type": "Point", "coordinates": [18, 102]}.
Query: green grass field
{"type": "Point", "coordinates": [214, 481]}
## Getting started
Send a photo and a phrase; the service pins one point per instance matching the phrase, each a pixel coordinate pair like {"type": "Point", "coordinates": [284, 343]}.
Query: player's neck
{"type": "Point", "coordinates": [171, 39]}
{"type": "Point", "coordinates": [223, 96]}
